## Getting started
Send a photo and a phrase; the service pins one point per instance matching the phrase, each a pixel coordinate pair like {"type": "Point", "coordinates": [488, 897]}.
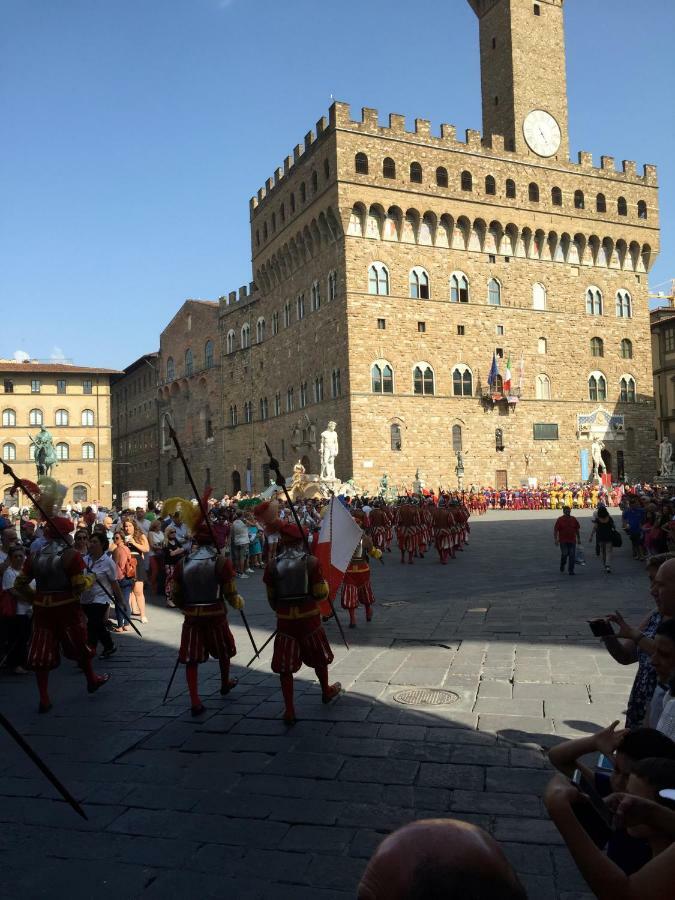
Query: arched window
{"type": "Point", "coordinates": [601, 203]}
{"type": "Point", "coordinates": [442, 177]}
{"type": "Point", "coordinates": [459, 288]}
{"type": "Point", "coordinates": [626, 349]}
{"type": "Point", "coordinates": [494, 292]}
{"type": "Point", "coordinates": [62, 451]}
{"type": "Point", "coordinates": [61, 417]}
{"type": "Point", "coordinates": [624, 309]}
{"type": "Point", "coordinates": [627, 389]}
{"type": "Point", "coordinates": [287, 314]}
{"type": "Point", "coordinates": [594, 301]}
{"type": "Point", "coordinates": [395, 437]}
{"type": "Point", "coordinates": [274, 221]}
{"type": "Point", "coordinates": [490, 186]}
{"type": "Point", "coordinates": [318, 389]}
{"type": "Point", "coordinates": [34, 417]}
{"type": "Point", "coordinates": [315, 182]}
{"type": "Point", "coordinates": [332, 286]}
{"type": "Point", "coordinates": [88, 418]}
{"type": "Point", "coordinates": [260, 330]}
{"type": "Point", "coordinates": [416, 173]}
{"type": "Point", "coordinates": [282, 213]}
{"type": "Point", "coordinates": [533, 192]}
{"type": "Point", "coordinates": [316, 296]}
{"type": "Point", "coordinates": [170, 369]}
{"type": "Point", "coordinates": [292, 203]}
{"type": "Point", "coordinates": [462, 381]}
{"type": "Point", "coordinates": [326, 169]}
{"type": "Point", "coordinates": [361, 164]}
{"type": "Point", "coordinates": [303, 394]}
{"type": "Point", "coordinates": [579, 200]}
{"type": "Point", "coordinates": [388, 168]}
{"type": "Point", "coordinates": [456, 438]}
{"type": "Point", "coordinates": [556, 196]}
{"type": "Point", "coordinates": [234, 418]}
{"type": "Point", "coordinates": [542, 346]}
{"type": "Point", "coordinates": [510, 189]}
{"type": "Point", "coordinates": [230, 341]}
{"type": "Point", "coordinates": [290, 400]}
{"type": "Point", "coordinates": [466, 181]}
{"type": "Point", "coordinates": [188, 362]}
{"type": "Point", "coordinates": [419, 284]}
{"type": "Point", "coordinates": [538, 296]}
{"type": "Point", "coordinates": [80, 494]}
{"type": "Point", "coordinates": [335, 384]}
{"type": "Point", "coordinates": [303, 192]}
{"type": "Point", "coordinates": [382, 378]}
{"type": "Point", "coordinates": [642, 209]}
{"type": "Point", "coordinates": [378, 279]}
{"type": "Point", "coordinates": [245, 336]}
{"type": "Point", "coordinates": [622, 206]}
{"type": "Point", "coordinates": [8, 418]}
{"type": "Point", "coordinates": [88, 451]}
{"type": "Point", "coordinates": [208, 355]}
{"type": "Point", "coordinates": [499, 439]}
{"type": "Point", "coordinates": [248, 412]}
{"type": "Point", "coordinates": [423, 379]}
{"type": "Point", "coordinates": [263, 409]}
{"type": "Point", "coordinates": [597, 346]}
{"type": "Point", "coordinates": [597, 386]}
{"type": "Point", "coordinates": [9, 452]}
{"type": "Point", "coordinates": [543, 387]}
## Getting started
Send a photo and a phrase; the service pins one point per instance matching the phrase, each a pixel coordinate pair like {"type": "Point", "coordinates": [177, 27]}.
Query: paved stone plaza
{"type": "Point", "coordinates": [236, 805]}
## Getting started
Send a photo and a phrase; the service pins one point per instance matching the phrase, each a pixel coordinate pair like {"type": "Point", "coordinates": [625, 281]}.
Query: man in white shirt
{"type": "Point", "coordinates": [141, 521]}
{"type": "Point", "coordinates": [95, 601]}
{"type": "Point", "coordinates": [240, 545]}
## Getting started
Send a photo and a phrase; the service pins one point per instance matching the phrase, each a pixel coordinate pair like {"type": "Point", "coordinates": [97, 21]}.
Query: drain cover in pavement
{"type": "Point", "coordinates": [426, 697]}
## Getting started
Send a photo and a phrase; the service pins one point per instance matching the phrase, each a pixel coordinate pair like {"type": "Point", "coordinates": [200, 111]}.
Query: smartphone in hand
{"type": "Point", "coordinates": [601, 627]}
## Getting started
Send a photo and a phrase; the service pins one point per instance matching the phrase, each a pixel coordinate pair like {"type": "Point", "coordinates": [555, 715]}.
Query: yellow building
{"type": "Point", "coordinates": [73, 404]}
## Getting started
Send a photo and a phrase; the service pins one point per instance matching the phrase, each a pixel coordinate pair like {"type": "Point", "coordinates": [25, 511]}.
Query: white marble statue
{"type": "Point", "coordinates": [329, 451]}
{"type": "Point", "coordinates": [666, 455]}
{"type": "Point", "coordinates": [596, 452]}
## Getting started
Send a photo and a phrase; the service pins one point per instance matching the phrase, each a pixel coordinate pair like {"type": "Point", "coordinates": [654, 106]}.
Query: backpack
{"type": "Point", "coordinates": [130, 567]}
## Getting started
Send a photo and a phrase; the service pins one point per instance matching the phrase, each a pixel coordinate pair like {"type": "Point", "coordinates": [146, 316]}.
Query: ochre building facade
{"type": "Point", "coordinates": [73, 404]}
{"type": "Point", "coordinates": [391, 263]}
{"type": "Point", "coordinates": [135, 430]}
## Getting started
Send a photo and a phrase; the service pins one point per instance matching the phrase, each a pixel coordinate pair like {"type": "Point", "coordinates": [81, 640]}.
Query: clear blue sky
{"type": "Point", "coordinates": [135, 131]}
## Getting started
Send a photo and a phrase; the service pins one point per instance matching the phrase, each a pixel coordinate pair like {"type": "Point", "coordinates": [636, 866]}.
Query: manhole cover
{"type": "Point", "coordinates": [426, 697]}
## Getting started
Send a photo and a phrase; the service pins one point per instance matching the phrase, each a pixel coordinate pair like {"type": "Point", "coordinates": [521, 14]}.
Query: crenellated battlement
{"type": "Point", "coordinates": [340, 118]}
{"type": "Point", "coordinates": [245, 295]}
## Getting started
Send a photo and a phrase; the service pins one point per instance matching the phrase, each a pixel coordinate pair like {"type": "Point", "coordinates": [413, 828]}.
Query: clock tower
{"type": "Point", "coordinates": [524, 83]}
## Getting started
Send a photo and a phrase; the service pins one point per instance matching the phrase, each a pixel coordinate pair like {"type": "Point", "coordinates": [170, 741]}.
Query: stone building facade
{"type": "Point", "coordinates": [391, 264]}
{"type": "Point", "coordinates": [135, 431]}
{"type": "Point", "coordinates": [73, 403]}
{"type": "Point", "coordinates": [663, 354]}
{"type": "Point", "coordinates": [190, 389]}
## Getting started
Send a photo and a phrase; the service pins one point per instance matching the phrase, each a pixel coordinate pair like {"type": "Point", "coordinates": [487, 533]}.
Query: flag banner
{"type": "Point", "coordinates": [507, 376]}
{"type": "Point", "coordinates": [494, 371]}
{"type": "Point", "coordinates": [338, 539]}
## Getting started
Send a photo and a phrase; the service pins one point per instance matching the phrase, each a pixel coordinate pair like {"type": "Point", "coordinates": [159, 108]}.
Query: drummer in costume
{"type": "Point", "coordinates": [203, 581]}
{"type": "Point", "coordinates": [295, 588]}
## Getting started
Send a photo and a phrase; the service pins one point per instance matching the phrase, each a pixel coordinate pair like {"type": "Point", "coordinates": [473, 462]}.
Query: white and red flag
{"type": "Point", "coordinates": [338, 539]}
{"type": "Point", "coordinates": [507, 376]}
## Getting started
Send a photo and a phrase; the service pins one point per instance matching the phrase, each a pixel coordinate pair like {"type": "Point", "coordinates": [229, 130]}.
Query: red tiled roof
{"type": "Point", "coordinates": [37, 368]}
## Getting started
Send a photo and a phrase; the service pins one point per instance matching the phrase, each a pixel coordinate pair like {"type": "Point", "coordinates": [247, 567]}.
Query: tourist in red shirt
{"type": "Point", "coordinates": [567, 534]}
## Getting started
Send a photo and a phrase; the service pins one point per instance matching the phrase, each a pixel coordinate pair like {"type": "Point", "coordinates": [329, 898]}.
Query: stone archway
{"type": "Point", "coordinates": [607, 462]}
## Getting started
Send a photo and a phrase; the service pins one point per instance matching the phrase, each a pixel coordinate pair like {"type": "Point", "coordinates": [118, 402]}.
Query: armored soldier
{"type": "Point", "coordinates": [203, 581]}
{"type": "Point", "coordinates": [356, 587]}
{"type": "Point", "coordinates": [58, 621]}
{"type": "Point", "coordinates": [295, 586]}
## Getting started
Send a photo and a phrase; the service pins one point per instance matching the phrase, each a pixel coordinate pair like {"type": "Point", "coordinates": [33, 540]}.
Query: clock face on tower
{"type": "Point", "coordinates": [542, 133]}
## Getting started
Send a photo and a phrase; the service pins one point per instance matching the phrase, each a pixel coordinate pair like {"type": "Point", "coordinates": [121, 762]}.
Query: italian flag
{"type": "Point", "coordinates": [507, 376]}
{"type": "Point", "coordinates": [338, 539]}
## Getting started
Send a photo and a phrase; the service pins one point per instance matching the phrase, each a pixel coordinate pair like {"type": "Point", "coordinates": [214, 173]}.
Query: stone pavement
{"type": "Point", "coordinates": [236, 805]}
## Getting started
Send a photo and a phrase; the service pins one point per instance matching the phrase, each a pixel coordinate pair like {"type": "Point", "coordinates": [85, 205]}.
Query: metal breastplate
{"type": "Point", "coordinates": [200, 585]}
{"type": "Point", "coordinates": [291, 577]}
{"type": "Point", "coordinates": [359, 554]}
{"type": "Point", "coordinates": [47, 567]}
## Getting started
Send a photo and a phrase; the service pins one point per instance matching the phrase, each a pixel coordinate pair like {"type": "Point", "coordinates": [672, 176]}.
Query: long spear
{"type": "Point", "coordinates": [280, 480]}
{"type": "Point", "coordinates": [7, 470]}
{"type": "Point", "coordinates": [202, 506]}
{"type": "Point", "coordinates": [42, 766]}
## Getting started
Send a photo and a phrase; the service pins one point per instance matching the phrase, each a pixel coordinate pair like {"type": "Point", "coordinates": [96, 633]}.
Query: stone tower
{"type": "Point", "coordinates": [524, 84]}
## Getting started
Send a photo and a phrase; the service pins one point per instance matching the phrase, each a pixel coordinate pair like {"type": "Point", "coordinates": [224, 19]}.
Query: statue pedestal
{"type": "Point", "coordinates": [666, 481]}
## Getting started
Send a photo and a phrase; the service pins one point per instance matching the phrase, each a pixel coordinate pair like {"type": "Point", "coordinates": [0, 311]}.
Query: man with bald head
{"type": "Point", "coordinates": [440, 859]}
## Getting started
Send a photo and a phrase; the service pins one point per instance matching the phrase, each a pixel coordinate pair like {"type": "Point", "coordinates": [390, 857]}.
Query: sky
{"type": "Point", "coordinates": [134, 133]}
